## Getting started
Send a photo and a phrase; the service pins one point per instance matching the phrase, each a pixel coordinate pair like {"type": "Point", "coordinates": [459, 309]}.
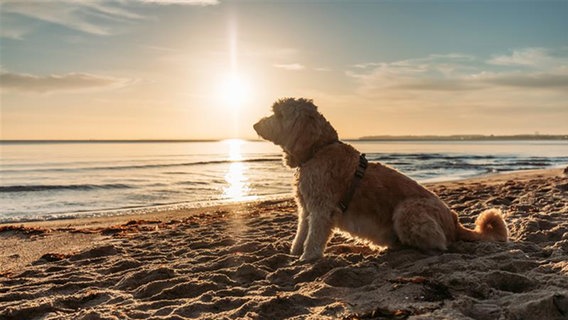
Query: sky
{"type": "Point", "coordinates": [207, 69]}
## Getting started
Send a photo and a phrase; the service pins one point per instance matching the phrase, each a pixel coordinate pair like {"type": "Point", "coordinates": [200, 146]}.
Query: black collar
{"type": "Point", "coordinates": [355, 182]}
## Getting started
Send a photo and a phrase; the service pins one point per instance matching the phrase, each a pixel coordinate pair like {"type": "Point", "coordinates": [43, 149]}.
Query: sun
{"type": "Point", "coordinates": [234, 90]}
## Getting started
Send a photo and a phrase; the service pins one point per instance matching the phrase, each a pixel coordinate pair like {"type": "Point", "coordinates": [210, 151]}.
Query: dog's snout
{"type": "Point", "coordinates": [256, 127]}
{"type": "Point", "coordinates": [262, 126]}
{"type": "Point", "coordinates": [265, 128]}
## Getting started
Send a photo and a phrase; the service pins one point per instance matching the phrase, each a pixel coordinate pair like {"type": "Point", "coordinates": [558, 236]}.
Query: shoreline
{"type": "Point", "coordinates": [232, 261]}
{"type": "Point", "coordinates": [380, 138]}
{"type": "Point", "coordinates": [125, 214]}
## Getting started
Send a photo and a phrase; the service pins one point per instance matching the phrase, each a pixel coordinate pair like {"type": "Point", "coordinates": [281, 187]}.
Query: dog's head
{"type": "Point", "coordinates": [298, 128]}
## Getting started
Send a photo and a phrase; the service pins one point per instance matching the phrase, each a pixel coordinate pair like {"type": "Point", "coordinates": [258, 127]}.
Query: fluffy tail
{"type": "Point", "coordinates": [489, 226]}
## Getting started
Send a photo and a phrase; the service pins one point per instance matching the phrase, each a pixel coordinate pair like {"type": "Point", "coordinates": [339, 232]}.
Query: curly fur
{"type": "Point", "coordinates": [387, 209]}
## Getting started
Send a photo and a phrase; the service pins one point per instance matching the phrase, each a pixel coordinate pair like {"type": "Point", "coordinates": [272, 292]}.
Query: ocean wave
{"type": "Point", "coordinates": [453, 161]}
{"type": "Point", "coordinates": [182, 164]}
{"type": "Point", "coordinates": [145, 166]}
{"type": "Point", "coordinates": [79, 187]}
{"type": "Point", "coordinates": [426, 156]}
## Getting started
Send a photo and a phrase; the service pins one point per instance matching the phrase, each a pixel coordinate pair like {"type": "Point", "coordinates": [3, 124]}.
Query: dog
{"type": "Point", "coordinates": [387, 208]}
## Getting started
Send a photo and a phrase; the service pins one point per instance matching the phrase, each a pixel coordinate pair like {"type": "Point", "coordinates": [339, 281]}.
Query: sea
{"type": "Point", "coordinates": [57, 180]}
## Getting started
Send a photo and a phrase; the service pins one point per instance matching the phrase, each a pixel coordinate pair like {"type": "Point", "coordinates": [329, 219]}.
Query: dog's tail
{"type": "Point", "coordinates": [489, 226]}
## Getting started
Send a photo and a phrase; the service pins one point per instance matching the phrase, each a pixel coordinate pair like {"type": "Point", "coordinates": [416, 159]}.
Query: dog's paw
{"type": "Point", "coordinates": [307, 257]}
{"type": "Point", "coordinates": [298, 262]}
{"type": "Point", "coordinates": [297, 250]}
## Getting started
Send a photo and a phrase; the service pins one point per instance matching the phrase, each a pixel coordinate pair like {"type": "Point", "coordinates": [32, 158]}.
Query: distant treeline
{"type": "Point", "coordinates": [473, 137]}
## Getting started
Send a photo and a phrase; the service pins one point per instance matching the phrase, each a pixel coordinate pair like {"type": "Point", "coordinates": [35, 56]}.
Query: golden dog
{"type": "Point", "coordinates": [387, 207]}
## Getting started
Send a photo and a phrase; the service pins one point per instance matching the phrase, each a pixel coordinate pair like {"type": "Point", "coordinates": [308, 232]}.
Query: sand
{"type": "Point", "coordinates": [233, 262]}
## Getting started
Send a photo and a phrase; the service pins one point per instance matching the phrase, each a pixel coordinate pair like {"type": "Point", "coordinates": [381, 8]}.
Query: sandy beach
{"type": "Point", "coordinates": [233, 262]}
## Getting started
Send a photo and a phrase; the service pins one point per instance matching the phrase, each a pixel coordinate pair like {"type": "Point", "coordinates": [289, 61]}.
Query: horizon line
{"type": "Point", "coordinates": [363, 138]}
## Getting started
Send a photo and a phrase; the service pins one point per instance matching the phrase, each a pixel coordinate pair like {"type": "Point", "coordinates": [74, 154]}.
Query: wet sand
{"type": "Point", "coordinates": [233, 262]}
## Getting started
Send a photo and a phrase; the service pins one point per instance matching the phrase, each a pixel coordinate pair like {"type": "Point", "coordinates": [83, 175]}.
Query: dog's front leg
{"type": "Point", "coordinates": [301, 232]}
{"type": "Point", "coordinates": [319, 232]}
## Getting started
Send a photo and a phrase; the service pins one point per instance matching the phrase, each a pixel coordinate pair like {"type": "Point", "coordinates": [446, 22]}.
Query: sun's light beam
{"type": "Point", "coordinates": [238, 185]}
{"type": "Point", "coordinates": [234, 90]}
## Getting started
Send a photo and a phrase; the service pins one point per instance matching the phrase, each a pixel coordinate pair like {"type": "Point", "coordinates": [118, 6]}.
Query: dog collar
{"type": "Point", "coordinates": [355, 182]}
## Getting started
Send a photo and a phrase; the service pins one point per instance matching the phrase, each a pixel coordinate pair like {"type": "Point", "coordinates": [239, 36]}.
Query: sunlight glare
{"type": "Point", "coordinates": [238, 188]}
{"type": "Point", "coordinates": [234, 90]}
{"type": "Point", "coordinates": [235, 149]}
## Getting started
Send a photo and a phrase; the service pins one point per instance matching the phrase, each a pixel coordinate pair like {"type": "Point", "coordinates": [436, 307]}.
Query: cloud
{"type": "Point", "coordinates": [97, 17]}
{"type": "Point", "coordinates": [366, 65]}
{"type": "Point", "coordinates": [13, 33]}
{"type": "Point", "coordinates": [432, 73]}
{"type": "Point", "coordinates": [523, 57]}
{"type": "Point", "coordinates": [290, 66]}
{"type": "Point", "coordinates": [184, 2]}
{"type": "Point", "coordinates": [528, 80]}
{"type": "Point", "coordinates": [14, 28]}
{"type": "Point", "coordinates": [53, 83]}
{"type": "Point", "coordinates": [433, 58]}
{"type": "Point", "coordinates": [533, 58]}
{"type": "Point", "coordinates": [457, 72]}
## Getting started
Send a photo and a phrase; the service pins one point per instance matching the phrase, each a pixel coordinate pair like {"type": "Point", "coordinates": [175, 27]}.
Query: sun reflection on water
{"type": "Point", "coordinates": [238, 187]}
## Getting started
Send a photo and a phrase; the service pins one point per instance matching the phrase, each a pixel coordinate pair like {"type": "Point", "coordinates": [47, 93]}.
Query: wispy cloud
{"type": "Point", "coordinates": [14, 28]}
{"type": "Point", "coordinates": [366, 65]}
{"type": "Point", "coordinates": [456, 72]}
{"type": "Point", "coordinates": [55, 83]}
{"type": "Point", "coordinates": [536, 80]}
{"type": "Point", "coordinates": [183, 2]}
{"type": "Point", "coordinates": [435, 72]}
{"type": "Point", "coordinates": [523, 57]}
{"type": "Point", "coordinates": [97, 17]}
{"type": "Point", "coordinates": [290, 66]}
{"type": "Point", "coordinates": [91, 17]}
{"type": "Point", "coordinates": [13, 33]}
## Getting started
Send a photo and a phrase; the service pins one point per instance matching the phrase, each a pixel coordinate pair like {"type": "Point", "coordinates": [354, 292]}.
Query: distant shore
{"type": "Point", "coordinates": [521, 137]}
